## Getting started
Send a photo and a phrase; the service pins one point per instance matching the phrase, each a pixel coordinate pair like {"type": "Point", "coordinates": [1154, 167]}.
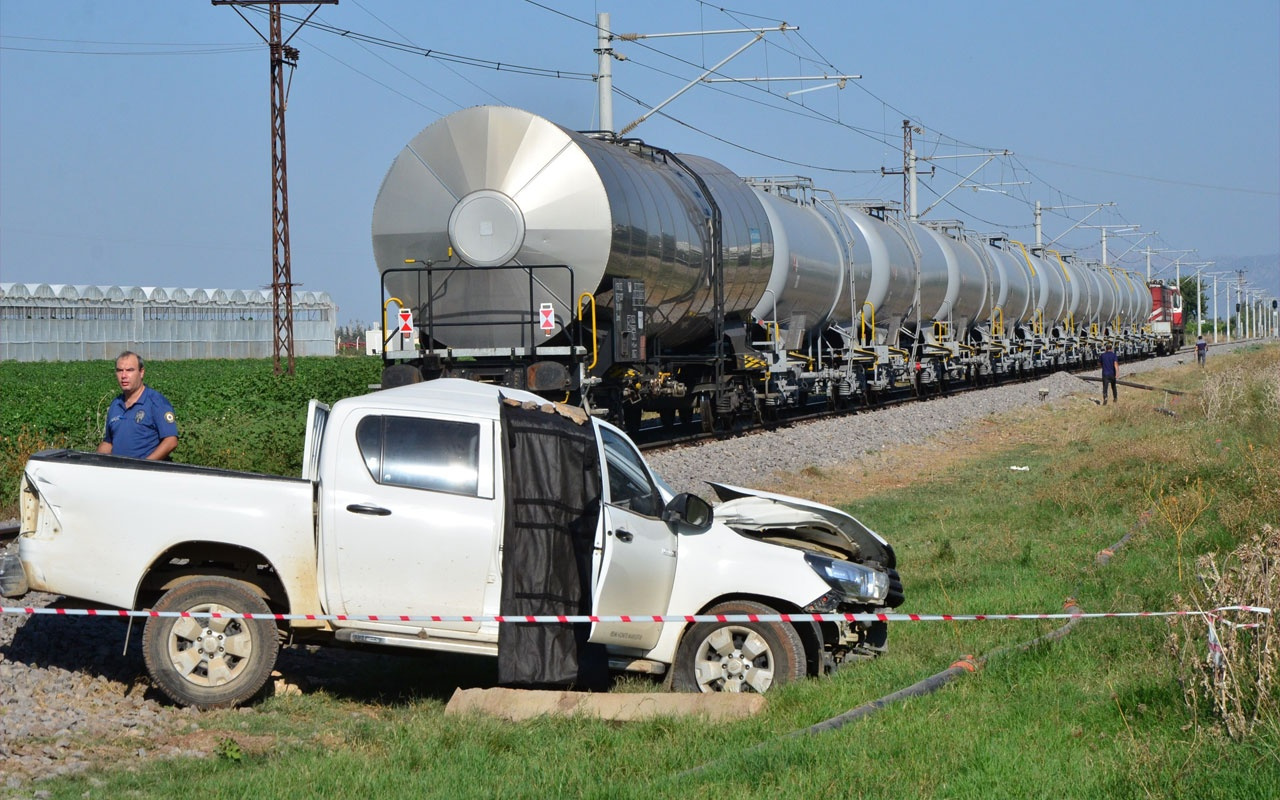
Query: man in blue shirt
{"type": "Point", "coordinates": [1110, 372]}
{"type": "Point", "coordinates": [140, 422]}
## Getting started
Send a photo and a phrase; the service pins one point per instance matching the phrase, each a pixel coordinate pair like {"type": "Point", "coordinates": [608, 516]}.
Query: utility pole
{"type": "Point", "coordinates": [908, 171]}
{"type": "Point", "coordinates": [1215, 305]}
{"type": "Point", "coordinates": [282, 55]}
{"type": "Point", "coordinates": [1118, 228]}
{"type": "Point", "coordinates": [604, 85]}
{"type": "Point", "coordinates": [1240, 327]}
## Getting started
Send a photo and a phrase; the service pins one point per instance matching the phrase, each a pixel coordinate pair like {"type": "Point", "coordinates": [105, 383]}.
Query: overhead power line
{"type": "Point", "coordinates": [90, 47]}
{"type": "Point", "coordinates": [442, 55]}
{"type": "Point", "coordinates": [1154, 179]}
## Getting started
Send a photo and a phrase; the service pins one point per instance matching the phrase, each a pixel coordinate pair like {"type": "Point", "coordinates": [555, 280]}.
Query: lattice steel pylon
{"type": "Point", "coordinates": [281, 263]}
{"type": "Point", "coordinates": [282, 55]}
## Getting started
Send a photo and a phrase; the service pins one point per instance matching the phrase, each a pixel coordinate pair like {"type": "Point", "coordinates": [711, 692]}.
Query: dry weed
{"type": "Point", "coordinates": [1229, 668]}
{"type": "Point", "coordinates": [1222, 392]}
{"type": "Point", "coordinates": [1179, 507]}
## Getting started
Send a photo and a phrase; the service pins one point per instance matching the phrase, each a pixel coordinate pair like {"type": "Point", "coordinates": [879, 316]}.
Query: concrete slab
{"type": "Point", "coordinates": [522, 704]}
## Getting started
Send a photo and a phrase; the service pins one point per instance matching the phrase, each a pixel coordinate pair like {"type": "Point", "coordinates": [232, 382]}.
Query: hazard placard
{"type": "Point", "coordinates": [547, 317]}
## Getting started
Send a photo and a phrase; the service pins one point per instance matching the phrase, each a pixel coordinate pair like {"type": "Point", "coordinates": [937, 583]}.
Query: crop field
{"type": "Point", "coordinates": [232, 414]}
{"type": "Point", "coordinates": [1185, 506]}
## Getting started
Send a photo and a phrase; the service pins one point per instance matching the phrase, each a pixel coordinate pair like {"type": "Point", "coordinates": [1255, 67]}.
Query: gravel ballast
{"type": "Point", "coordinates": [67, 685]}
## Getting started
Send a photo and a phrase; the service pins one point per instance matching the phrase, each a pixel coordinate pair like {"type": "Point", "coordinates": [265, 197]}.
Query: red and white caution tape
{"type": "Point", "coordinates": [1213, 614]}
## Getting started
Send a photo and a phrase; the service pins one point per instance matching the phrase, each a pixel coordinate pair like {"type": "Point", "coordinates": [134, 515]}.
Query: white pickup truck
{"type": "Point", "coordinates": [422, 501]}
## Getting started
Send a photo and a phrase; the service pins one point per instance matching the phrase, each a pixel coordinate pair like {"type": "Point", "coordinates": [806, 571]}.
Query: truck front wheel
{"type": "Point", "coordinates": [205, 661]}
{"type": "Point", "coordinates": [738, 656]}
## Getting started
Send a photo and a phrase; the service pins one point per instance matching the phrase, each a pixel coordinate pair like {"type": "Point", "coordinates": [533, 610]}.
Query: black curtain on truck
{"type": "Point", "coordinates": [553, 491]}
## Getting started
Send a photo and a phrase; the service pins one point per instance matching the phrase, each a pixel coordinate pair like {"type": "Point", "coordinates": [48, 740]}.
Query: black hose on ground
{"type": "Point", "coordinates": [967, 664]}
{"type": "Point", "coordinates": [1096, 379]}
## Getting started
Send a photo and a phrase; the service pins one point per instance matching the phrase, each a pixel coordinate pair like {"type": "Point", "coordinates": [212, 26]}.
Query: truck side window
{"type": "Point", "coordinates": [629, 483]}
{"type": "Point", "coordinates": [434, 454]}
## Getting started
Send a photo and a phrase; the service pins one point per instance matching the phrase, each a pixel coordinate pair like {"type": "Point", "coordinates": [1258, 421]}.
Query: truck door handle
{"type": "Point", "coordinates": [624, 536]}
{"type": "Point", "coordinates": [366, 508]}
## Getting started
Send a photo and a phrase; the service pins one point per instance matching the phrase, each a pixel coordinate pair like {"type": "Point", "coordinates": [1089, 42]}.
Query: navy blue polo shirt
{"type": "Point", "coordinates": [1108, 361]}
{"type": "Point", "coordinates": [136, 431]}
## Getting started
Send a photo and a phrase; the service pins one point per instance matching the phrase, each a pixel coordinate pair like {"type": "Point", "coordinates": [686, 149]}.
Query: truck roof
{"type": "Point", "coordinates": [454, 395]}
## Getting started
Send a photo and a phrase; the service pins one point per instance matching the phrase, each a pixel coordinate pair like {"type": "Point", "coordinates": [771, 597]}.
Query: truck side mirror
{"type": "Point", "coordinates": [688, 510]}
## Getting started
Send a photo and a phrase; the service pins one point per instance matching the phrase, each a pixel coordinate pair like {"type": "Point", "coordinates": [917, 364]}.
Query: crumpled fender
{"type": "Point", "coordinates": [869, 544]}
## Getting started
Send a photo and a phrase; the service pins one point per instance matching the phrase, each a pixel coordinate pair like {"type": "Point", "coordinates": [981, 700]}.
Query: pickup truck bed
{"type": "Point", "coordinates": [70, 548]}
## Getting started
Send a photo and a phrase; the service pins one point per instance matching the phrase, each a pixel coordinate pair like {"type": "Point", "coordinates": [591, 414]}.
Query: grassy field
{"type": "Point", "coordinates": [233, 414]}
{"type": "Point", "coordinates": [1118, 708]}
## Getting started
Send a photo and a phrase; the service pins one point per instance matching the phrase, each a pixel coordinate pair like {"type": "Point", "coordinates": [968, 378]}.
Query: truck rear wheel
{"type": "Point", "coordinates": [205, 661]}
{"type": "Point", "coordinates": [738, 656]}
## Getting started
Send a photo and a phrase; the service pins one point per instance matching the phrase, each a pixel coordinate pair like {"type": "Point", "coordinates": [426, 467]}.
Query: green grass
{"type": "Point", "coordinates": [1099, 713]}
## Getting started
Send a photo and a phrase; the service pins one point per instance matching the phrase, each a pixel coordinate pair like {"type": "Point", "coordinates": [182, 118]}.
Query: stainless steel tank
{"type": "Point", "coordinates": [1075, 292]}
{"type": "Point", "coordinates": [964, 299]}
{"type": "Point", "coordinates": [1094, 279]}
{"type": "Point", "coordinates": [935, 276]}
{"type": "Point", "coordinates": [808, 284]}
{"type": "Point", "coordinates": [1108, 298]}
{"type": "Point", "coordinates": [1124, 297]}
{"type": "Point", "coordinates": [1048, 288]}
{"type": "Point", "coordinates": [1138, 308]}
{"type": "Point", "coordinates": [503, 187]}
{"type": "Point", "coordinates": [1128, 302]}
{"type": "Point", "coordinates": [884, 269]}
{"type": "Point", "coordinates": [1012, 297]}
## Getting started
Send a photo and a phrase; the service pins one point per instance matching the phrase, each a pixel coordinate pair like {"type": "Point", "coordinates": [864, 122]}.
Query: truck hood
{"type": "Point", "coordinates": [792, 522]}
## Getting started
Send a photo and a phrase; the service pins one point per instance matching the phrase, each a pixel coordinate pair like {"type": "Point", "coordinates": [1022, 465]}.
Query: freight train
{"type": "Point", "coordinates": [635, 281]}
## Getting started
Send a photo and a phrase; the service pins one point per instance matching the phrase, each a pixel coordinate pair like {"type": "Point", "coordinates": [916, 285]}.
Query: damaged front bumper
{"type": "Point", "coordinates": [846, 640]}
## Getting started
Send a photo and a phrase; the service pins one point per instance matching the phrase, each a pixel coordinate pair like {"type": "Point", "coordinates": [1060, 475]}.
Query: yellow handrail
{"type": "Point", "coordinates": [1025, 255]}
{"type": "Point", "coordinates": [1062, 263]}
{"type": "Point", "coordinates": [998, 311]}
{"type": "Point", "coordinates": [862, 332]}
{"type": "Point", "coordinates": [595, 354]}
{"type": "Point", "coordinates": [385, 337]}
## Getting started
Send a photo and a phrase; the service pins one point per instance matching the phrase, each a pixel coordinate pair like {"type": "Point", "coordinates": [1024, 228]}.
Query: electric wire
{"type": "Point", "coordinates": [761, 96]}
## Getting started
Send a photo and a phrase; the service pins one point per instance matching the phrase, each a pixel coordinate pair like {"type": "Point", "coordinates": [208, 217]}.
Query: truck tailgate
{"type": "Point", "coordinates": [101, 521]}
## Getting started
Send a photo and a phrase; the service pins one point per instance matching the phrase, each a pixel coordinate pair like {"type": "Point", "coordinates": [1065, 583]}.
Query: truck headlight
{"type": "Point", "coordinates": [856, 582]}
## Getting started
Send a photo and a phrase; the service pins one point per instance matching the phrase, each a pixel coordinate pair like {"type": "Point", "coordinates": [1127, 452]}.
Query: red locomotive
{"type": "Point", "coordinates": [1166, 319]}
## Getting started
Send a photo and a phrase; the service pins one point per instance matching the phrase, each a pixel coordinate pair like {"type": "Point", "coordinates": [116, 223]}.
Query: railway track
{"type": "Point", "coordinates": [653, 437]}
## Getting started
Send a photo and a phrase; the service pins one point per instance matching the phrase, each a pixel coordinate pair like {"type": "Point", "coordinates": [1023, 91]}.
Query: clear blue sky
{"type": "Point", "coordinates": [135, 139]}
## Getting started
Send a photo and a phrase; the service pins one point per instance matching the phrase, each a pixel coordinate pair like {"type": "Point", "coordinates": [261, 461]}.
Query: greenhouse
{"type": "Point", "coordinates": [62, 322]}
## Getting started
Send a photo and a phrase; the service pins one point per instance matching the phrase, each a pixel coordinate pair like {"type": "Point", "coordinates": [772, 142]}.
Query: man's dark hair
{"type": "Point", "coordinates": [127, 353]}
